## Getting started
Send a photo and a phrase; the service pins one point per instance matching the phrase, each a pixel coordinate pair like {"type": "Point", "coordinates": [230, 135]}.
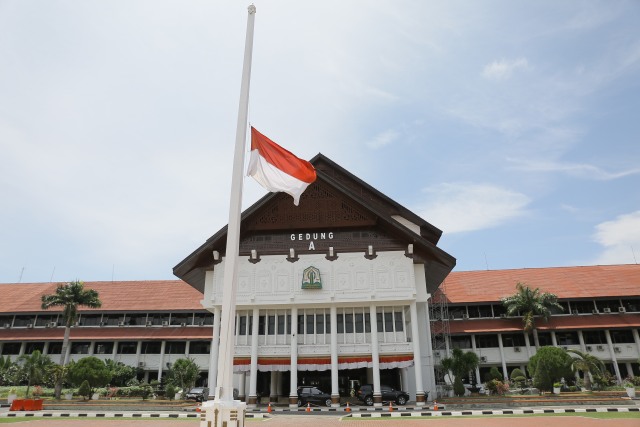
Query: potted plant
{"type": "Point", "coordinates": [556, 388]}
{"type": "Point", "coordinates": [629, 387]}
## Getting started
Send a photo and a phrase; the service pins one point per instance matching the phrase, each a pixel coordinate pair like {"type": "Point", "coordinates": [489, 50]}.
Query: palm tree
{"type": "Point", "coordinates": [34, 366]}
{"type": "Point", "coordinates": [530, 303]}
{"type": "Point", "coordinates": [69, 297]}
{"type": "Point", "coordinates": [587, 364]}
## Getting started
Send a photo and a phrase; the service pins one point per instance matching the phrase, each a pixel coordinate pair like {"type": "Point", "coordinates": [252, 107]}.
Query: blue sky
{"type": "Point", "coordinates": [512, 126]}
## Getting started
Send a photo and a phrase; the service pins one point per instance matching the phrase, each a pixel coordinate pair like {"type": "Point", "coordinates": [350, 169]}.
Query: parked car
{"type": "Point", "coordinates": [313, 395]}
{"type": "Point", "coordinates": [199, 394]}
{"type": "Point", "coordinates": [365, 395]}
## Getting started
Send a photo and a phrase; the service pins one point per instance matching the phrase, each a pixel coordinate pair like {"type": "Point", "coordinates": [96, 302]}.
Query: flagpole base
{"type": "Point", "coordinates": [222, 413]}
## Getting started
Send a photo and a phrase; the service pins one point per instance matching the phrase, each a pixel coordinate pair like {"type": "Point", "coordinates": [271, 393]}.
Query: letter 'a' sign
{"type": "Point", "coordinates": [311, 278]}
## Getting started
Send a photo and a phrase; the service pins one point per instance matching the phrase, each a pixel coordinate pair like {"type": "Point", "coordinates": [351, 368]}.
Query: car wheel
{"type": "Point", "coordinates": [368, 400]}
{"type": "Point", "coordinates": [328, 402]}
{"type": "Point", "coordinates": [401, 400]}
{"type": "Point", "coordinates": [299, 403]}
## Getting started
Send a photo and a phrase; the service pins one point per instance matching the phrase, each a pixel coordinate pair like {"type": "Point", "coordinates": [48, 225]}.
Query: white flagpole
{"type": "Point", "coordinates": [224, 385]}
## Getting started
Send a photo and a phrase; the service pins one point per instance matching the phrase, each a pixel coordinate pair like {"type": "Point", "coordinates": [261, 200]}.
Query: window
{"type": "Point", "coordinates": [127, 347]}
{"type": "Point", "coordinates": [158, 319]}
{"type": "Point", "coordinates": [458, 312]}
{"type": "Point", "coordinates": [513, 340]}
{"type": "Point", "coordinates": [6, 321]}
{"type": "Point", "coordinates": [281, 324]}
{"type": "Point", "coordinates": [203, 319]}
{"type": "Point", "coordinates": [271, 325]}
{"type": "Point", "coordinates": [461, 341]}
{"type": "Point", "coordinates": [398, 319]}
{"type": "Point", "coordinates": [112, 319]}
{"type": "Point", "coordinates": [379, 322]}
{"type": "Point", "coordinates": [348, 323]}
{"type": "Point", "coordinates": [608, 306]}
{"type": "Point", "coordinates": [320, 323]}
{"type": "Point", "coordinates": [359, 321]}
{"type": "Point", "coordinates": [477, 311]}
{"type": "Point", "coordinates": [486, 341]}
{"type": "Point", "coordinates": [567, 338]}
{"type": "Point", "coordinates": [309, 324]}
{"type": "Point", "coordinates": [45, 320]}
{"type": "Point", "coordinates": [103, 348]}
{"type": "Point", "coordinates": [582, 307]}
{"type": "Point", "coordinates": [340, 321]}
{"type": "Point", "coordinates": [80, 347]}
{"type": "Point", "coordinates": [136, 319]}
{"type": "Point", "coordinates": [21, 321]}
{"type": "Point", "coordinates": [632, 304]}
{"type": "Point", "coordinates": [54, 348]}
{"type": "Point", "coordinates": [594, 337]}
{"type": "Point", "coordinates": [499, 310]}
{"type": "Point", "coordinates": [90, 319]}
{"type": "Point", "coordinates": [178, 319]}
{"type": "Point", "coordinates": [11, 348]}
{"type": "Point", "coordinates": [151, 347]}
{"type": "Point", "coordinates": [261, 325]}
{"type": "Point", "coordinates": [175, 347]}
{"type": "Point", "coordinates": [621, 336]}
{"type": "Point", "coordinates": [200, 347]}
{"type": "Point", "coordinates": [33, 346]}
{"type": "Point", "coordinates": [243, 326]}
{"type": "Point", "coordinates": [300, 324]}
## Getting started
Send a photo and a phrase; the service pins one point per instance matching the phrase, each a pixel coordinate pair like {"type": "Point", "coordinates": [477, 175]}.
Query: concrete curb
{"type": "Point", "coordinates": [491, 412]}
{"type": "Point", "coordinates": [66, 414]}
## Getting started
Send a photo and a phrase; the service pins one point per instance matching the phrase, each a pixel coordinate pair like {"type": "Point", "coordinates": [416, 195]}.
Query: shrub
{"type": "Point", "coordinates": [548, 366]}
{"type": "Point", "coordinates": [518, 373]}
{"type": "Point", "coordinates": [85, 390]}
{"type": "Point", "coordinates": [91, 369]}
{"type": "Point", "coordinates": [458, 387]}
{"type": "Point", "coordinates": [171, 391]}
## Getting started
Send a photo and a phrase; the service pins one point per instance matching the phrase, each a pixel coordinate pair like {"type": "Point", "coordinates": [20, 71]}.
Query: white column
{"type": "Point", "coordinates": [45, 349]}
{"type": "Point", "coordinates": [23, 348]}
{"type": "Point", "coordinates": [473, 346]}
{"type": "Point", "coordinates": [636, 338]}
{"type": "Point", "coordinates": [253, 375]}
{"type": "Point", "coordinates": [293, 384]}
{"type": "Point", "coordinates": [431, 374]}
{"type": "Point", "coordinates": [92, 348]}
{"type": "Point", "coordinates": [163, 347]}
{"type": "Point", "coordinates": [187, 348]}
{"type": "Point", "coordinates": [242, 387]}
{"type": "Point", "coordinates": [583, 347]}
{"type": "Point", "coordinates": [614, 360]}
{"type": "Point", "coordinates": [273, 392]}
{"type": "Point", "coordinates": [504, 363]}
{"type": "Point", "coordinates": [138, 353]}
{"type": "Point", "coordinates": [417, 354]}
{"type": "Point", "coordinates": [527, 342]}
{"type": "Point", "coordinates": [213, 354]}
{"type": "Point", "coordinates": [375, 357]}
{"type": "Point", "coordinates": [335, 391]}
{"type": "Point", "coordinates": [554, 341]}
{"type": "Point", "coordinates": [114, 352]}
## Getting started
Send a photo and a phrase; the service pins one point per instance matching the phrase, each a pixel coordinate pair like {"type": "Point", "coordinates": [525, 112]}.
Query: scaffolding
{"type": "Point", "coordinates": [440, 333]}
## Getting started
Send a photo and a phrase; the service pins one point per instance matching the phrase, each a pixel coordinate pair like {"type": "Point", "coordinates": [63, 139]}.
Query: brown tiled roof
{"type": "Point", "coordinates": [603, 321]}
{"type": "Point", "coordinates": [151, 295]}
{"type": "Point", "coordinates": [108, 333]}
{"type": "Point", "coordinates": [565, 282]}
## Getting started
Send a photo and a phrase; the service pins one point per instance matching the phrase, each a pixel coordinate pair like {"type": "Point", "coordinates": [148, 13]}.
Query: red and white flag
{"type": "Point", "coordinates": [277, 169]}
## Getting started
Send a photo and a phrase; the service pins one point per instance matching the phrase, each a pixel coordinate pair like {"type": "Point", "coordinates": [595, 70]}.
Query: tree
{"type": "Point", "coordinates": [587, 364]}
{"type": "Point", "coordinates": [460, 364]}
{"type": "Point", "coordinates": [91, 369]}
{"type": "Point", "coordinates": [185, 372]}
{"type": "Point", "coordinates": [34, 366]}
{"type": "Point", "coordinates": [7, 369]}
{"type": "Point", "coordinates": [549, 365]}
{"type": "Point", "coordinates": [530, 303]}
{"type": "Point", "coordinates": [85, 390]}
{"type": "Point", "coordinates": [69, 296]}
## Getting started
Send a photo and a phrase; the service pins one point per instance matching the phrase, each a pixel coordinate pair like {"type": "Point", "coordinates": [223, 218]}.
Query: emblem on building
{"type": "Point", "coordinates": [311, 278]}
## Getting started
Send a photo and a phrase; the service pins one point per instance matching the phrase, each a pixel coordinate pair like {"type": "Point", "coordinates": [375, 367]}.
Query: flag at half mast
{"type": "Point", "coordinates": [277, 169]}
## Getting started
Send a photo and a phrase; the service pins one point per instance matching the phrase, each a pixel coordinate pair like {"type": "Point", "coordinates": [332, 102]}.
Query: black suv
{"type": "Point", "coordinates": [313, 395]}
{"type": "Point", "coordinates": [365, 395]}
{"type": "Point", "coordinates": [199, 394]}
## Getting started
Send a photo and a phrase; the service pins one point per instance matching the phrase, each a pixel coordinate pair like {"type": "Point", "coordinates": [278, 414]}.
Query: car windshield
{"type": "Point", "coordinates": [196, 390]}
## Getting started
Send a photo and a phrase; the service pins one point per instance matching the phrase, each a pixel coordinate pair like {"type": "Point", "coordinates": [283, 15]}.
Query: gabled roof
{"type": "Point", "coordinates": [438, 263]}
{"type": "Point", "coordinates": [597, 281]}
{"type": "Point", "coordinates": [148, 295]}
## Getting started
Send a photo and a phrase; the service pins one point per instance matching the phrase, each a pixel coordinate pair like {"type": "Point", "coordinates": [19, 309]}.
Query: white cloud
{"type": "Point", "coordinates": [503, 69]}
{"type": "Point", "coordinates": [382, 139]}
{"type": "Point", "coordinates": [458, 207]}
{"type": "Point", "coordinates": [620, 238]}
{"type": "Point", "coordinates": [581, 170]}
